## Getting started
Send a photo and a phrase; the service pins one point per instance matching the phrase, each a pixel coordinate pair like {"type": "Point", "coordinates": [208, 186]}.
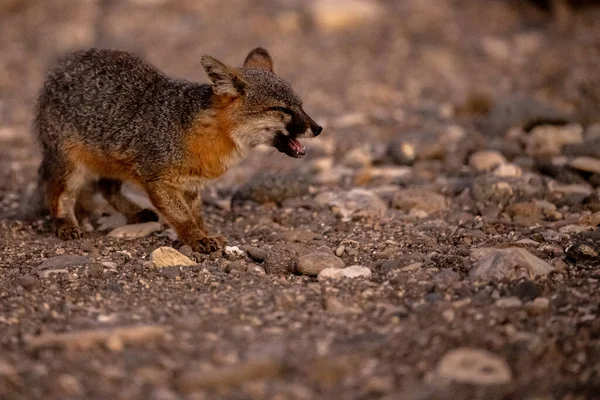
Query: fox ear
{"type": "Point", "coordinates": [226, 81]}
{"type": "Point", "coordinates": [259, 58]}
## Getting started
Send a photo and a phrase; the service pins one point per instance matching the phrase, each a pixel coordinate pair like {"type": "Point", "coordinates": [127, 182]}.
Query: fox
{"type": "Point", "coordinates": [105, 117]}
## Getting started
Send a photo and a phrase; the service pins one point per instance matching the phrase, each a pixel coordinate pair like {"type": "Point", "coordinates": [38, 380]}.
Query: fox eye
{"type": "Point", "coordinates": [282, 109]}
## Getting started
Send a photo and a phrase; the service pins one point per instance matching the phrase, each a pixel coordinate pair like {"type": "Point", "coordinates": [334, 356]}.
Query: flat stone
{"type": "Point", "coordinates": [354, 271]}
{"type": "Point", "coordinates": [509, 264]}
{"type": "Point", "coordinates": [546, 140]}
{"type": "Point", "coordinates": [586, 164]}
{"type": "Point", "coordinates": [509, 302]}
{"type": "Point", "coordinates": [312, 264]}
{"type": "Point", "coordinates": [255, 253]}
{"type": "Point", "coordinates": [419, 199]}
{"type": "Point", "coordinates": [358, 203]}
{"type": "Point", "coordinates": [169, 257]}
{"type": "Point", "coordinates": [474, 366]}
{"type": "Point", "coordinates": [112, 222]}
{"type": "Point", "coordinates": [135, 231]}
{"type": "Point", "coordinates": [63, 261]}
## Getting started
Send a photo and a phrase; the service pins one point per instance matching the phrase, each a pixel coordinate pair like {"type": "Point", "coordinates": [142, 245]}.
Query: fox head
{"type": "Point", "coordinates": [263, 106]}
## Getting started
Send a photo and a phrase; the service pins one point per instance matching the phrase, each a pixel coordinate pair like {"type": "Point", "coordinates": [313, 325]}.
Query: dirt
{"type": "Point", "coordinates": [407, 92]}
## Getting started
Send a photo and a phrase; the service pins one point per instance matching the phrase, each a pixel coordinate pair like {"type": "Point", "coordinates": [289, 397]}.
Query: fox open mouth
{"type": "Point", "coordinates": [289, 145]}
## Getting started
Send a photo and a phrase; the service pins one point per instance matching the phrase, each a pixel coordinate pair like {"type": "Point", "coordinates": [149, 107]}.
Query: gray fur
{"type": "Point", "coordinates": [114, 101]}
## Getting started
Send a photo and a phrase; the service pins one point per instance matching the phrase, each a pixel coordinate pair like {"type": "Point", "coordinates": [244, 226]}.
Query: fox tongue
{"type": "Point", "coordinates": [297, 146]}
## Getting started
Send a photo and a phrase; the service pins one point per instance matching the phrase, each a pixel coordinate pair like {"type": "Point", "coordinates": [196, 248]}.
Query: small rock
{"type": "Point", "coordinates": [486, 160]}
{"type": "Point", "coordinates": [525, 213]}
{"type": "Point", "coordinates": [234, 252]}
{"type": "Point", "coordinates": [195, 380]}
{"type": "Point", "coordinates": [583, 252]}
{"type": "Point", "coordinates": [383, 175]}
{"type": "Point", "coordinates": [548, 140]}
{"type": "Point", "coordinates": [334, 306]}
{"type": "Point", "coordinates": [27, 281]}
{"type": "Point", "coordinates": [586, 164]}
{"type": "Point", "coordinates": [419, 199]}
{"type": "Point", "coordinates": [281, 259]}
{"type": "Point", "coordinates": [539, 304]}
{"type": "Point", "coordinates": [258, 270]}
{"type": "Point", "coordinates": [447, 276]}
{"type": "Point", "coordinates": [169, 257]}
{"type": "Point", "coordinates": [170, 272]}
{"type": "Point", "coordinates": [508, 170]}
{"type": "Point", "coordinates": [237, 266]}
{"type": "Point", "coordinates": [572, 228]}
{"type": "Point", "coordinates": [340, 250]}
{"type": "Point", "coordinates": [300, 236]}
{"type": "Point", "coordinates": [333, 15]}
{"type": "Point", "coordinates": [313, 263]}
{"type": "Point", "coordinates": [45, 274]}
{"type": "Point", "coordinates": [411, 267]}
{"type": "Point", "coordinates": [402, 152]}
{"type": "Point", "coordinates": [333, 175]}
{"type": "Point", "coordinates": [255, 253]}
{"type": "Point", "coordinates": [270, 188]}
{"type": "Point", "coordinates": [135, 231]}
{"type": "Point", "coordinates": [449, 315]}
{"type": "Point", "coordinates": [354, 271]}
{"type": "Point", "coordinates": [112, 222]}
{"type": "Point", "coordinates": [359, 203]}
{"type": "Point", "coordinates": [63, 262]}
{"type": "Point", "coordinates": [509, 264]}
{"type": "Point", "coordinates": [187, 251]}
{"type": "Point", "coordinates": [358, 158]}
{"type": "Point", "coordinates": [509, 302]}
{"type": "Point", "coordinates": [474, 367]}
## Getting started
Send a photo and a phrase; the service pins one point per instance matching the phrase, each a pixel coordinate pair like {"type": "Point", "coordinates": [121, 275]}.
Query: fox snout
{"type": "Point", "coordinates": [316, 130]}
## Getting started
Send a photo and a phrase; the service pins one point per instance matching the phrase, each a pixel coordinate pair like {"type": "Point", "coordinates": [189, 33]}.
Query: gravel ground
{"type": "Point", "coordinates": [441, 239]}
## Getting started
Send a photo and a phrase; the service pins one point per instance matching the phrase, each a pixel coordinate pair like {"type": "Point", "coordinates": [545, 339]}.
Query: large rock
{"type": "Point", "coordinates": [313, 263]}
{"type": "Point", "coordinates": [169, 257]}
{"type": "Point", "coordinates": [509, 264]}
{"type": "Point", "coordinates": [473, 366]}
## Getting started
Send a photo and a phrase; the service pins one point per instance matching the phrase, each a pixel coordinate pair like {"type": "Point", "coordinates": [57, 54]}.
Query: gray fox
{"type": "Point", "coordinates": [104, 117]}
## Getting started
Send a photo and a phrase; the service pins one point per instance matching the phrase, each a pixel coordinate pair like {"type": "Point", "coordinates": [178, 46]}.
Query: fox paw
{"type": "Point", "coordinates": [209, 244]}
{"type": "Point", "coordinates": [146, 215]}
{"type": "Point", "coordinates": [68, 232]}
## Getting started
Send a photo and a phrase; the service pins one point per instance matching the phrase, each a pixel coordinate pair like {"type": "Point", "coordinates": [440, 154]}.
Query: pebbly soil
{"type": "Point", "coordinates": [459, 168]}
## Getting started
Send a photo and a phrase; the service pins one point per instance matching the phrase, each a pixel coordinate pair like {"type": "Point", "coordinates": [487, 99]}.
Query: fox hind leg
{"type": "Point", "coordinates": [111, 191]}
{"type": "Point", "coordinates": [63, 185]}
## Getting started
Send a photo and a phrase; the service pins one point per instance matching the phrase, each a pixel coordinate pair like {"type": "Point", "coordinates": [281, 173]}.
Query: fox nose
{"type": "Point", "coordinates": [317, 130]}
